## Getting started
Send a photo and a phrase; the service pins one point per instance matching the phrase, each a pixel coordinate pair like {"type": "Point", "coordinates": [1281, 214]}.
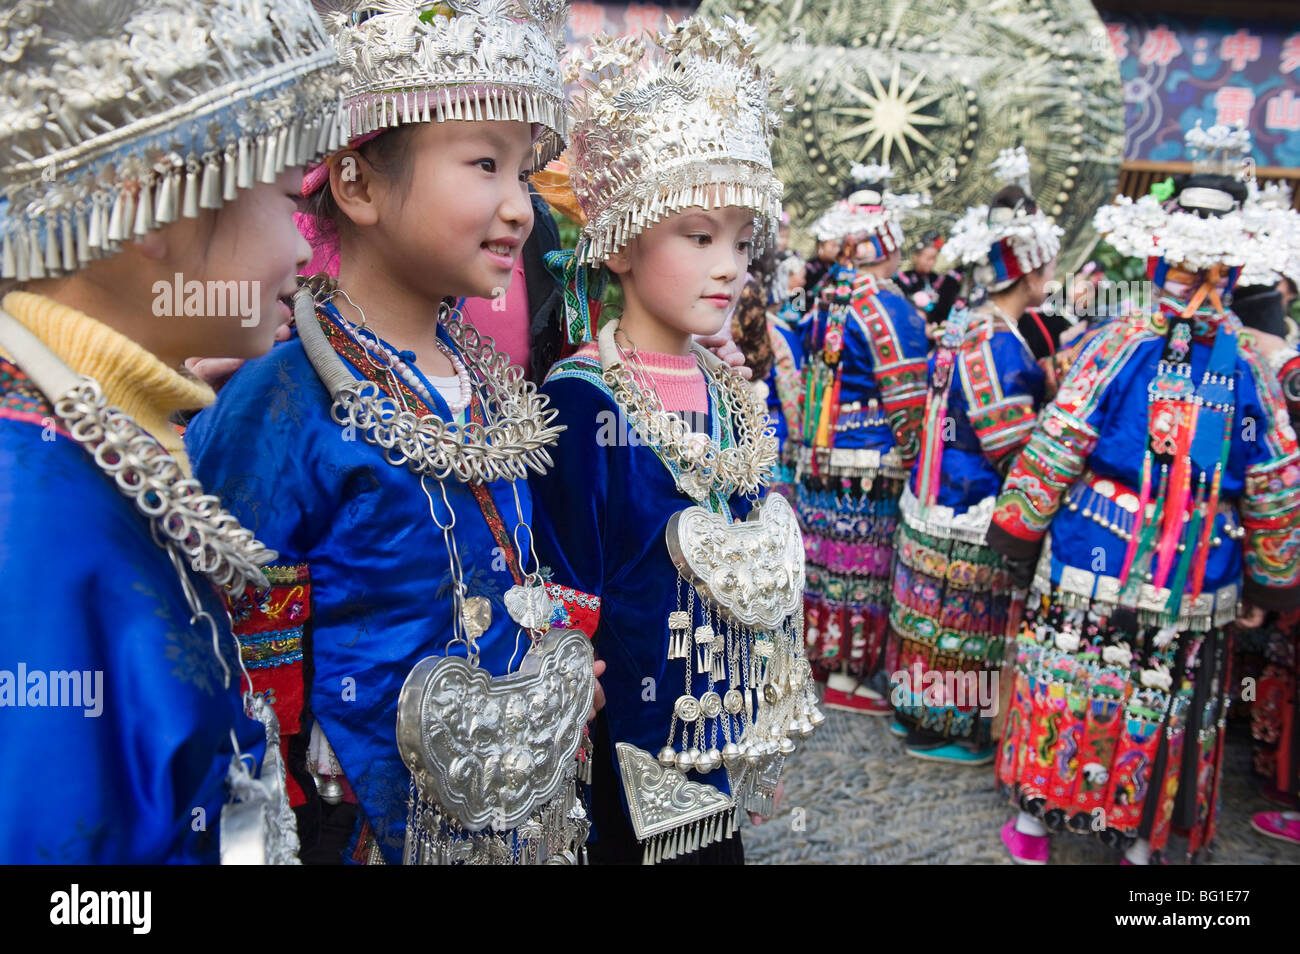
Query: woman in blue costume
{"type": "Point", "coordinates": [953, 599]}
{"type": "Point", "coordinates": [1160, 494]}
{"type": "Point", "coordinates": [785, 379]}
{"type": "Point", "coordinates": [120, 713]}
{"type": "Point", "coordinates": [864, 394]}
{"type": "Point", "coordinates": [383, 564]}
{"type": "Point", "coordinates": [624, 512]}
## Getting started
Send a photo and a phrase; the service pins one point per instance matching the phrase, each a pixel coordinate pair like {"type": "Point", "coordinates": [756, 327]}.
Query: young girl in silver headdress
{"type": "Point", "coordinates": [382, 451]}
{"type": "Point", "coordinates": [666, 451]}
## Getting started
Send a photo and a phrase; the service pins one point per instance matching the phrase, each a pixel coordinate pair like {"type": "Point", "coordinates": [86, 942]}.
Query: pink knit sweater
{"type": "Point", "coordinates": [676, 378]}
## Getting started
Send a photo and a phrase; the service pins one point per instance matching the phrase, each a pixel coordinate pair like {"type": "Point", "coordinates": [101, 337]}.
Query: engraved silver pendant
{"type": "Point", "coordinates": [529, 606]}
{"type": "Point", "coordinates": [670, 815]}
{"type": "Point", "coordinates": [493, 758]}
{"type": "Point", "coordinates": [752, 570]}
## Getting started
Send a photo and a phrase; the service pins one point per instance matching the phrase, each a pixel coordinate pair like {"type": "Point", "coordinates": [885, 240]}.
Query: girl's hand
{"type": "Point", "coordinates": [598, 702]}
{"type": "Point", "coordinates": [727, 350]}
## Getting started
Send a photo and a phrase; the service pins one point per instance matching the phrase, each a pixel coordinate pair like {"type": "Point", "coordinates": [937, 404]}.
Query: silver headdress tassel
{"type": "Point", "coordinates": [118, 118]}
{"type": "Point", "coordinates": [412, 61]}
{"type": "Point", "coordinates": [669, 122]}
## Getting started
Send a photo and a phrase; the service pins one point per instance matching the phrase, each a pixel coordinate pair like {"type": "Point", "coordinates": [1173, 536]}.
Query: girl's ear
{"type": "Point", "coordinates": [353, 183]}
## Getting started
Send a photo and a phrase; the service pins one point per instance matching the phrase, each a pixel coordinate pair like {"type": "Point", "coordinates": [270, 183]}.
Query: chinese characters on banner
{"type": "Point", "coordinates": [1177, 71]}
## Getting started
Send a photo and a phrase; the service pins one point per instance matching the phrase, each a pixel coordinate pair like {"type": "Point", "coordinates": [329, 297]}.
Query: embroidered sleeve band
{"type": "Point", "coordinates": [1054, 457]}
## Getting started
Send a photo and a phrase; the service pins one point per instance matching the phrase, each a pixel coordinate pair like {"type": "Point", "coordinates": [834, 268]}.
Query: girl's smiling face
{"type": "Point", "coordinates": [453, 219]}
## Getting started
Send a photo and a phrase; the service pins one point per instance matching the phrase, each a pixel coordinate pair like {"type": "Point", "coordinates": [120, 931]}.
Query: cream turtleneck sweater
{"type": "Point", "coordinates": [131, 378]}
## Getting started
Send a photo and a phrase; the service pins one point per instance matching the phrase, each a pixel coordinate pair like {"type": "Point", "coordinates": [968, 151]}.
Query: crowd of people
{"type": "Point", "coordinates": [436, 553]}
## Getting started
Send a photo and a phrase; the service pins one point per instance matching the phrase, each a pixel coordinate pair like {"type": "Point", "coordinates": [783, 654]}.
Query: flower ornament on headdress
{"type": "Point", "coordinates": [870, 212]}
{"type": "Point", "coordinates": [412, 61]}
{"type": "Point", "coordinates": [1274, 228]}
{"type": "Point", "coordinates": [118, 118]}
{"type": "Point", "coordinates": [669, 122]}
{"type": "Point", "coordinates": [1012, 167]}
{"type": "Point", "coordinates": [1003, 244]}
{"type": "Point", "coordinates": [1199, 223]}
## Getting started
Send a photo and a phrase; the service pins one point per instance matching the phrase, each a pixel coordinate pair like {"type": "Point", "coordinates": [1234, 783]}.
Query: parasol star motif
{"type": "Point", "coordinates": [890, 116]}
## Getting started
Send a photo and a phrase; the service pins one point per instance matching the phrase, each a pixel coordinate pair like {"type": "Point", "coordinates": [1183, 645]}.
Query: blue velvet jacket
{"type": "Point", "coordinates": [131, 767]}
{"type": "Point", "coordinates": [602, 511]}
{"type": "Point", "coordinates": [1084, 460]}
{"type": "Point", "coordinates": [377, 582]}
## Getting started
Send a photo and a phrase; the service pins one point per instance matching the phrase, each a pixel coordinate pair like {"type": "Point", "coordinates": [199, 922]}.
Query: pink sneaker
{"type": "Point", "coordinates": [1025, 849]}
{"type": "Point", "coordinates": [1284, 826]}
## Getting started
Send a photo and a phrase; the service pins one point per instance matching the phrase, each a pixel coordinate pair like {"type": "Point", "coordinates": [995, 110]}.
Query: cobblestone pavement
{"type": "Point", "coordinates": [853, 796]}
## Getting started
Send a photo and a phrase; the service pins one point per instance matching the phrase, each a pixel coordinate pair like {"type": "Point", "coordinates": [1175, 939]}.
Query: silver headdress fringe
{"type": "Point", "coordinates": [677, 120]}
{"type": "Point", "coordinates": [410, 61]}
{"type": "Point", "coordinates": [116, 119]}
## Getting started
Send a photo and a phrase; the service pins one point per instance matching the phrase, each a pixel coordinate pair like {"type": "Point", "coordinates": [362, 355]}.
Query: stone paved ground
{"type": "Point", "coordinates": [866, 802]}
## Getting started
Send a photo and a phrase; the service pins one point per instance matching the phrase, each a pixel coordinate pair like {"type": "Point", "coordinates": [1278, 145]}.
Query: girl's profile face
{"type": "Point", "coordinates": [686, 271]}
{"type": "Point", "coordinates": [1037, 282]}
{"type": "Point", "coordinates": [230, 271]}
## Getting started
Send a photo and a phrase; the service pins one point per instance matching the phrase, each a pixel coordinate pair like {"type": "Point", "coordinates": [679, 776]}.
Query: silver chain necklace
{"type": "Point", "coordinates": [703, 466]}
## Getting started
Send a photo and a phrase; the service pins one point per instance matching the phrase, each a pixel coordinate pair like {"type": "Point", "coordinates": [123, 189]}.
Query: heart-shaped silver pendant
{"type": "Point", "coordinates": [489, 751]}
{"type": "Point", "coordinates": [753, 569]}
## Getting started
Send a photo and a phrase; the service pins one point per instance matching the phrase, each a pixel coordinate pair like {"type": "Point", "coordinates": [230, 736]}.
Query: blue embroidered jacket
{"type": "Point", "coordinates": [1080, 475]}
{"type": "Point", "coordinates": [115, 711]}
{"type": "Point", "coordinates": [882, 362]}
{"type": "Point", "coordinates": [784, 381]}
{"type": "Point", "coordinates": [380, 589]}
{"type": "Point", "coordinates": [994, 393]}
{"type": "Point", "coordinates": [602, 512]}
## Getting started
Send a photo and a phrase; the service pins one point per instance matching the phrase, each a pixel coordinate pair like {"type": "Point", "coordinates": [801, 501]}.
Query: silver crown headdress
{"type": "Point", "coordinates": [1003, 243]}
{"type": "Point", "coordinates": [413, 61]}
{"type": "Point", "coordinates": [682, 120]}
{"type": "Point", "coordinates": [1218, 149]}
{"type": "Point", "coordinates": [118, 118]}
{"type": "Point", "coordinates": [870, 211]}
{"type": "Point", "coordinates": [1201, 225]}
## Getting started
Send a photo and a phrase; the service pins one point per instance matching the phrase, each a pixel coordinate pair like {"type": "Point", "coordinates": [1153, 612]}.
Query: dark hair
{"type": "Point", "coordinates": [1013, 197]}
{"type": "Point", "coordinates": [1260, 307]}
{"type": "Point", "coordinates": [851, 187]}
{"type": "Point", "coordinates": [1208, 180]}
{"type": "Point", "coordinates": [388, 154]}
{"type": "Point", "coordinates": [763, 267]}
